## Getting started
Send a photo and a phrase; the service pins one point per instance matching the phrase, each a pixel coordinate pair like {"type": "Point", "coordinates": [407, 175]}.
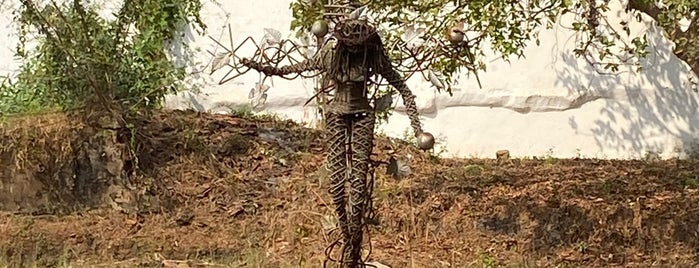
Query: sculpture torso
{"type": "Point", "coordinates": [350, 88]}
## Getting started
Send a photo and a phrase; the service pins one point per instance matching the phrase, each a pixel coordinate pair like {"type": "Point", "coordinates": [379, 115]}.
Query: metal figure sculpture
{"type": "Point", "coordinates": [350, 59]}
{"type": "Point", "coordinates": [350, 56]}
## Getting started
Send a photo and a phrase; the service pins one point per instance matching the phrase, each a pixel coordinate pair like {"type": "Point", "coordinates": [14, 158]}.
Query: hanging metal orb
{"type": "Point", "coordinates": [319, 28]}
{"type": "Point", "coordinates": [456, 36]}
{"type": "Point", "coordinates": [425, 141]}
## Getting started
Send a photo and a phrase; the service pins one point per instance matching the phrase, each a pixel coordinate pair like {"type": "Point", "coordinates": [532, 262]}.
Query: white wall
{"type": "Point", "coordinates": [8, 36]}
{"type": "Point", "coordinates": [547, 104]}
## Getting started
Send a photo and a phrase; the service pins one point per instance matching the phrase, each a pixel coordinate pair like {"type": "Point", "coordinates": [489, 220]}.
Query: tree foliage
{"type": "Point", "coordinates": [73, 55]}
{"type": "Point", "coordinates": [507, 27]}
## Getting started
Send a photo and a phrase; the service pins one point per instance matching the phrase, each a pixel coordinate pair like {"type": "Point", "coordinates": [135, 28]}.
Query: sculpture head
{"type": "Point", "coordinates": [358, 45]}
{"type": "Point", "coordinates": [356, 35]}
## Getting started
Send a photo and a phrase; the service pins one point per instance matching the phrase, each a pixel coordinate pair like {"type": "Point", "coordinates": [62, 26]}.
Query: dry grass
{"type": "Point", "coordinates": [241, 192]}
{"type": "Point", "coordinates": [34, 146]}
{"type": "Point", "coordinates": [26, 140]}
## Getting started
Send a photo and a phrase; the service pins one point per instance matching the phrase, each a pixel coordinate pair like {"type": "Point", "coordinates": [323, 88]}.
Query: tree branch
{"type": "Point", "coordinates": [673, 31]}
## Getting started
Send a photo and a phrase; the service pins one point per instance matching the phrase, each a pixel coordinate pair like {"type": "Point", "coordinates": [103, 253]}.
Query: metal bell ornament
{"type": "Point", "coordinates": [456, 35]}
{"type": "Point", "coordinates": [425, 141]}
{"type": "Point", "coordinates": [319, 28]}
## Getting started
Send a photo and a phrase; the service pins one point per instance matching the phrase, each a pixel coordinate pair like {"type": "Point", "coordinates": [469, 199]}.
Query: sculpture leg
{"type": "Point", "coordinates": [362, 143]}
{"type": "Point", "coordinates": [337, 129]}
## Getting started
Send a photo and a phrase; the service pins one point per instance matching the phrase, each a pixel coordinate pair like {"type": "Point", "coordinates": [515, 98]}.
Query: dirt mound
{"type": "Point", "coordinates": [55, 164]}
{"type": "Point", "coordinates": [199, 189]}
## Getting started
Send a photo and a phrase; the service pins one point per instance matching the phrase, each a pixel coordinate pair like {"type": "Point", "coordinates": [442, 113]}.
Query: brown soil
{"type": "Point", "coordinates": [250, 192]}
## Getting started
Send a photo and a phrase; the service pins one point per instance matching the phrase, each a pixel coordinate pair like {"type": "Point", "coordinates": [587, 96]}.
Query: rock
{"type": "Point", "coordinates": [652, 157]}
{"type": "Point", "coordinates": [376, 264]}
{"type": "Point", "coordinates": [175, 264]}
{"type": "Point", "coordinates": [398, 168]}
{"type": "Point", "coordinates": [502, 155]}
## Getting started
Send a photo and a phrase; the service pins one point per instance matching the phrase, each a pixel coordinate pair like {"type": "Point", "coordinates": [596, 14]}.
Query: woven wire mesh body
{"type": "Point", "coordinates": [350, 142]}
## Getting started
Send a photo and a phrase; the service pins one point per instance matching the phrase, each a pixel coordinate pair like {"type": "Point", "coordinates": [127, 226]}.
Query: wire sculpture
{"type": "Point", "coordinates": [350, 58]}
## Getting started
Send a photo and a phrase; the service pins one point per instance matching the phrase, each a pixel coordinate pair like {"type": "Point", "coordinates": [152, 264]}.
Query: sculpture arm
{"type": "Point", "coordinates": [313, 64]}
{"type": "Point", "coordinates": [397, 81]}
{"type": "Point", "coordinates": [304, 66]}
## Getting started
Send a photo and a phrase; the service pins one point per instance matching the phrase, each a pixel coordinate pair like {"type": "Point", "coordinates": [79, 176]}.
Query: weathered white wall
{"type": "Point", "coordinates": [547, 104]}
{"type": "Point", "coordinates": [8, 63]}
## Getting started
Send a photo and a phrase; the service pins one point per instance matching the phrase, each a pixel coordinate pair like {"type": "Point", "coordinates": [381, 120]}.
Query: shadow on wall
{"type": "Point", "coordinates": [658, 104]}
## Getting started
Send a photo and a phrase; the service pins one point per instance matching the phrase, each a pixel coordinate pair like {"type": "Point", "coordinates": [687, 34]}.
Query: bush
{"type": "Point", "coordinates": [82, 59]}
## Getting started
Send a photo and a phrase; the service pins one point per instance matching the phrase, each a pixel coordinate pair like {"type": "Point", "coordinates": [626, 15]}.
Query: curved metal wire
{"type": "Point", "coordinates": [275, 55]}
{"type": "Point", "coordinates": [418, 59]}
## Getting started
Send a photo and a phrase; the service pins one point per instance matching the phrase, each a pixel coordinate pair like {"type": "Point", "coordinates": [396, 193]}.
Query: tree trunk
{"type": "Point", "coordinates": [686, 42]}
